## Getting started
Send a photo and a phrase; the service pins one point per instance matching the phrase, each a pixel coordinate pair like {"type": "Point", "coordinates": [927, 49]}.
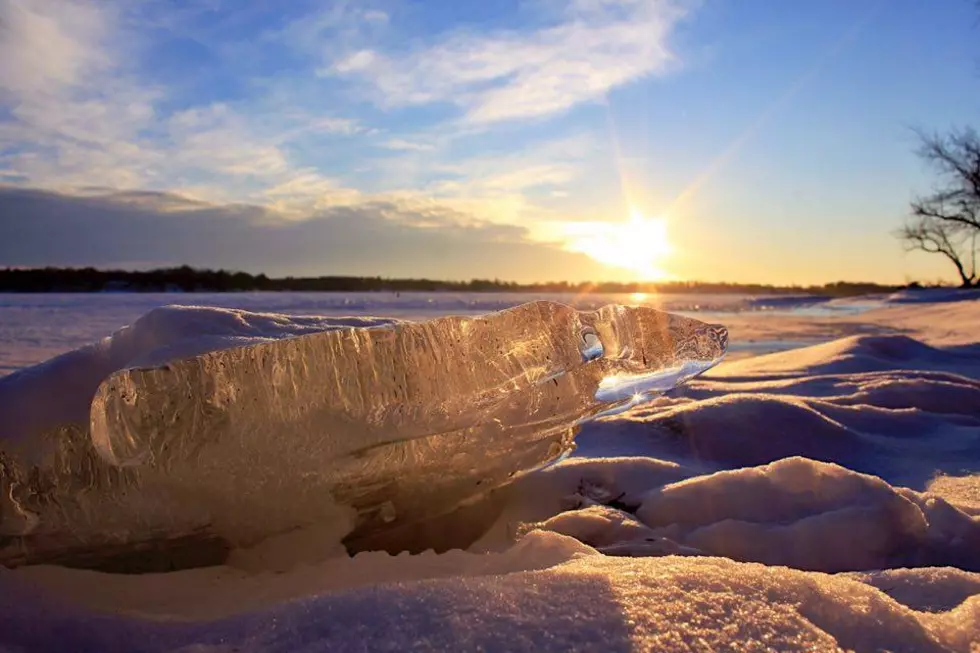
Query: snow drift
{"type": "Point", "coordinates": [826, 498]}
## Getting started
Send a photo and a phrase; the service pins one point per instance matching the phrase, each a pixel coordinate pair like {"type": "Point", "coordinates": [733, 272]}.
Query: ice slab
{"type": "Point", "coordinates": [374, 430]}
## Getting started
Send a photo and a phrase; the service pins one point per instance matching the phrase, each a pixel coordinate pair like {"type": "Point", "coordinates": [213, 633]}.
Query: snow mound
{"type": "Point", "coordinates": [904, 425]}
{"type": "Point", "coordinates": [856, 354]}
{"type": "Point", "coordinates": [925, 590]}
{"type": "Point", "coordinates": [810, 515]}
{"type": "Point", "coordinates": [589, 602]}
{"type": "Point", "coordinates": [795, 512]}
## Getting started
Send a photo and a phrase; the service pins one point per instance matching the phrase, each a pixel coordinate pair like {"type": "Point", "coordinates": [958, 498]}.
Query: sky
{"type": "Point", "coordinates": [534, 140]}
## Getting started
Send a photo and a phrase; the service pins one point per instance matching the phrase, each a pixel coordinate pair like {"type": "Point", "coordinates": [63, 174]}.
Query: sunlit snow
{"type": "Point", "coordinates": [821, 498]}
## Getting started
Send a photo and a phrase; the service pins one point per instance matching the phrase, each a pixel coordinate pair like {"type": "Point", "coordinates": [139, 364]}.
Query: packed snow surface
{"type": "Point", "coordinates": [824, 498]}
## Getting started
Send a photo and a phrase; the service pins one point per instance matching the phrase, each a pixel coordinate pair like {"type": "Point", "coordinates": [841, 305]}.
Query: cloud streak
{"type": "Point", "coordinates": [507, 75]}
{"type": "Point", "coordinates": [84, 106]}
{"type": "Point", "coordinates": [82, 110]}
{"type": "Point", "coordinates": [72, 107]}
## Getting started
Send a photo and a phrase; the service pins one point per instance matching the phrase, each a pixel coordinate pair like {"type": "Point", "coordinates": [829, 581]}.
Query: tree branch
{"type": "Point", "coordinates": [948, 221]}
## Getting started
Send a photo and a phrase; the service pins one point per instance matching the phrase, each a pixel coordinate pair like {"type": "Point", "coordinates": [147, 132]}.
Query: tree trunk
{"type": "Point", "coordinates": [967, 281]}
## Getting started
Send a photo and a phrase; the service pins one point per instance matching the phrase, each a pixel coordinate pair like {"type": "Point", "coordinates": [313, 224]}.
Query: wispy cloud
{"type": "Point", "coordinates": [73, 106]}
{"type": "Point", "coordinates": [83, 112]}
{"type": "Point", "coordinates": [49, 46]}
{"type": "Point", "coordinates": [101, 94]}
{"type": "Point", "coordinates": [505, 75]}
{"type": "Point", "coordinates": [407, 146]}
{"type": "Point", "coordinates": [547, 164]}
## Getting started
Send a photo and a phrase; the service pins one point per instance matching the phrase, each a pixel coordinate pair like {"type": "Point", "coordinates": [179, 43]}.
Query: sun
{"type": "Point", "coordinates": [639, 244]}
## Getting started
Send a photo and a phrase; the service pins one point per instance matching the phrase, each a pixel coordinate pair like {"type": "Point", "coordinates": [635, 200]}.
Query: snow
{"type": "Point", "coordinates": [587, 602]}
{"type": "Point", "coordinates": [824, 498]}
{"type": "Point", "coordinates": [811, 515]}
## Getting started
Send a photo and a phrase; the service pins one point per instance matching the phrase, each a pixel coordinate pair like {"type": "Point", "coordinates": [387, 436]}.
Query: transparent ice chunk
{"type": "Point", "coordinates": [377, 429]}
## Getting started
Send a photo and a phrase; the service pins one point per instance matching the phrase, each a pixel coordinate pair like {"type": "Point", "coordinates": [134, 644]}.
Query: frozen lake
{"type": "Point", "coordinates": [35, 327]}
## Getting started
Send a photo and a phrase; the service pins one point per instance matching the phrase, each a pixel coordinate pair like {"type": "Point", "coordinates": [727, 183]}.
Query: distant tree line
{"type": "Point", "coordinates": [188, 279]}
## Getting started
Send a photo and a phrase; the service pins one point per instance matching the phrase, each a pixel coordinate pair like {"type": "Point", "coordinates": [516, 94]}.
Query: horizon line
{"type": "Point", "coordinates": [625, 286]}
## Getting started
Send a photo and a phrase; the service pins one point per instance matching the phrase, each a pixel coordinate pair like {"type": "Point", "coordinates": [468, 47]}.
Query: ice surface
{"type": "Point", "coordinates": [376, 431]}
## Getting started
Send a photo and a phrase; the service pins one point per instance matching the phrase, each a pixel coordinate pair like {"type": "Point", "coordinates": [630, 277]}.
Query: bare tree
{"type": "Point", "coordinates": [947, 222]}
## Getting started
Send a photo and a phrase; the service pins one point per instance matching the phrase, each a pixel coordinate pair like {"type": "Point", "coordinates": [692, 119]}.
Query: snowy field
{"type": "Point", "coordinates": [822, 497]}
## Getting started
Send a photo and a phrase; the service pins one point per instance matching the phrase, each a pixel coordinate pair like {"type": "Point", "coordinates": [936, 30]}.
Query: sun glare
{"type": "Point", "coordinates": [638, 297]}
{"type": "Point", "coordinates": [639, 244]}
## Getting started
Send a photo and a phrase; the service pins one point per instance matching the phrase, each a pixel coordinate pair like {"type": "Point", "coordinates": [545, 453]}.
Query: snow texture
{"type": "Point", "coordinates": [826, 498]}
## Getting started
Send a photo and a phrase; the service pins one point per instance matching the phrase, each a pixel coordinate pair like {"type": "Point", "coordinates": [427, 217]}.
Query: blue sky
{"type": "Point", "coordinates": [759, 140]}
